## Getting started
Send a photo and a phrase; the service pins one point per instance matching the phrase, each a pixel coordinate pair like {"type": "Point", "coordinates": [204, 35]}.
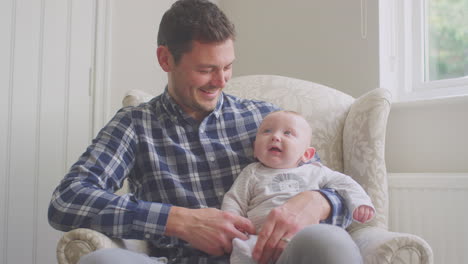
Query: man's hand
{"type": "Point", "coordinates": [209, 229]}
{"type": "Point", "coordinates": [285, 221]}
{"type": "Point", "coordinates": [363, 213]}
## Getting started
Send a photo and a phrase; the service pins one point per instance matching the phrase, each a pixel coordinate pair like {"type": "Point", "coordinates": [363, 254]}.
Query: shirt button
{"type": "Point", "coordinates": [220, 193]}
{"type": "Point", "coordinates": [212, 158]}
{"type": "Point", "coordinates": [148, 236]}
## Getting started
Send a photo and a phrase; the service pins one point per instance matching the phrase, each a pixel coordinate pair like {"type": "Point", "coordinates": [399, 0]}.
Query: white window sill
{"type": "Point", "coordinates": [428, 101]}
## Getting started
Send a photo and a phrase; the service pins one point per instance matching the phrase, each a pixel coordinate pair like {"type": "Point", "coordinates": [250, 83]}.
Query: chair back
{"type": "Point", "coordinates": [324, 108]}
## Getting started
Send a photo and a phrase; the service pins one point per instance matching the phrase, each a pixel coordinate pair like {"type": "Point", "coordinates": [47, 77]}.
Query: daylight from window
{"type": "Point", "coordinates": [446, 47]}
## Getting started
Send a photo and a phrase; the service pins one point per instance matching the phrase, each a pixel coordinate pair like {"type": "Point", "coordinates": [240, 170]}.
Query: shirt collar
{"type": "Point", "coordinates": [173, 108]}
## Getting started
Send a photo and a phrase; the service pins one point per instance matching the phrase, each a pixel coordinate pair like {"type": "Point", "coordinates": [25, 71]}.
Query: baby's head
{"type": "Point", "coordinates": [283, 140]}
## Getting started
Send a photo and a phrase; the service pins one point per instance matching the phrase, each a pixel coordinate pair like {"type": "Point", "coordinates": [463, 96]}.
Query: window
{"type": "Point", "coordinates": [446, 41]}
{"type": "Point", "coordinates": [424, 48]}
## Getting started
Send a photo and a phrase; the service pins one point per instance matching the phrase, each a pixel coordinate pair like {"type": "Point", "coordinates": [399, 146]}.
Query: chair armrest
{"type": "Point", "coordinates": [364, 150]}
{"type": "Point", "coordinates": [79, 242]}
{"type": "Point", "coordinates": [379, 246]}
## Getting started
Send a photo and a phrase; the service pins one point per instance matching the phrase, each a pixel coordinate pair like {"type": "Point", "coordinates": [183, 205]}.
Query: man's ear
{"type": "Point", "coordinates": [308, 154]}
{"type": "Point", "coordinates": [164, 58]}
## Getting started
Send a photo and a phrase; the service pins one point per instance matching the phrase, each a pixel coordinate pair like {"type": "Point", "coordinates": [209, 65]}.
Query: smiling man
{"type": "Point", "coordinates": [181, 153]}
{"type": "Point", "coordinates": [197, 80]}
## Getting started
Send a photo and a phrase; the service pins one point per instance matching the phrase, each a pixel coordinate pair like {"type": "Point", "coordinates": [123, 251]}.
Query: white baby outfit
{"type": "Point", "coordinates": [259, 189]}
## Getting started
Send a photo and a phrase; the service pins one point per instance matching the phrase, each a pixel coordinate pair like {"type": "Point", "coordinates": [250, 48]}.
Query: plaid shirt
{"type": "Point", "coordinates": [169, 159]}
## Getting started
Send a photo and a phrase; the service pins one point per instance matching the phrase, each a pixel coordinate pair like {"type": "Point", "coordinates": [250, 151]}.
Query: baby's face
{"type": "Point", "coordinates": [282, 140]}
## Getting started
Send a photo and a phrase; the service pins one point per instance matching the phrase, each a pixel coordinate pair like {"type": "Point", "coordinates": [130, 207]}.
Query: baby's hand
{"type": "Point", "coordinates": [363, 213]}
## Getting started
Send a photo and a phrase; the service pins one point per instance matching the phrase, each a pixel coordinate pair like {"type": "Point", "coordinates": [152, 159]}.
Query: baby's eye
{"type": "Point", "coordinates": [267, 130]}
{"type": "Point", "coordinates": [287, 132]}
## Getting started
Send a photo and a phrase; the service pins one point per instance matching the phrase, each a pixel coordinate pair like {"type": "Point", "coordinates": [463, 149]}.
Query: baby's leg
{"type": "Point", "coordinates": [242, 250]}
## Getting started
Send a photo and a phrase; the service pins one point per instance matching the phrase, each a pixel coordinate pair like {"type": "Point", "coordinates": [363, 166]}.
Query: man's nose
{"type": "Point", "coordinates": [219, 79]}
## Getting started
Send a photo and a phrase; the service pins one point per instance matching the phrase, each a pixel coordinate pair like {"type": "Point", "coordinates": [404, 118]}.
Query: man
{"type": "Point", "coordinates": [180, 153]}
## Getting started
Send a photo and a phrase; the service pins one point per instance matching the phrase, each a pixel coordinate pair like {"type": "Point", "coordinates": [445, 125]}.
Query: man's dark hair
{"type": "Point", "coordinates": [189, 20]}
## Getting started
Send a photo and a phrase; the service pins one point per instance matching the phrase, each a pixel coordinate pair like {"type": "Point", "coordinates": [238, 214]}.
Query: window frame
{"type": "Point", "coordinates": [402, 54]}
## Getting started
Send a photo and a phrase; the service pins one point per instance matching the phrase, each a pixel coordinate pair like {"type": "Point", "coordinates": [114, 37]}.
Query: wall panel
{"type": "Point", "coordinates": [433, 206]}
{"type": "Point", "coordinates": [23, 166]}
{"type": "Point", "coordinates": [45, 56]}
{"type": "Point", "coordinates": [52, 129]}
{"type": "Point", "coordinates": [7, 29]}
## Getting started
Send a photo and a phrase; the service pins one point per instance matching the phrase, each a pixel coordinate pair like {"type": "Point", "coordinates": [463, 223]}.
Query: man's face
{"type": "Point", "coordinates": [282, 140]}
{"type": "Point", "coordinates": [196, 82]}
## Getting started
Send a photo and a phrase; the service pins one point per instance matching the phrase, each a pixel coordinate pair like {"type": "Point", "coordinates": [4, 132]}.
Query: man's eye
{"type": "Point", "coordinates": [205, 71]}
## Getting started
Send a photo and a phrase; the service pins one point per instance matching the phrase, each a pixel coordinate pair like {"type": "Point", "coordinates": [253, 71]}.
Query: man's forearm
{"type": "Point", "coordinates": [326, 208]}
{"type": "Point", "coordinates": [75, 205]}
{"type": "Point", "coordinates": [175, 221]}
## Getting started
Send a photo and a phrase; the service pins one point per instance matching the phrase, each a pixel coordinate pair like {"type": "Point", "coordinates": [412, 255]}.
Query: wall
{"type": "Point", "coordinates": [302, 39]}
{"type": "Point", "coordinates": [46, 51]}
{"type": "Point", "coordinates": [428, 205]}
{"type": "Point", "coordinates": [134, 41]}
{"type": "Point", "coordinates": [428, 136]}
{"type": "Point", "coordinates": [134, 34]}
{"type": "Point", "coordinates": [320, 41]}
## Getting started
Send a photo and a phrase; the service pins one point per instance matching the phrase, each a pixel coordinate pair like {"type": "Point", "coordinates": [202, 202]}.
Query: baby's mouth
{"type": "Point", "coordinates": [275, 149]}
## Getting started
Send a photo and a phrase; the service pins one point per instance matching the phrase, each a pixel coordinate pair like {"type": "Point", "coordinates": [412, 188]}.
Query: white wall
{"type": "Point", "coordinates": [319, 41]}
{"type": "Point", "coordinates": [134, 41]}
{"type": "Point", "coordinates": [428, 136]}
{"type": "Point", "coordinates": [46, 51]}
{"type": "Point", "coordinates": [302, 39]}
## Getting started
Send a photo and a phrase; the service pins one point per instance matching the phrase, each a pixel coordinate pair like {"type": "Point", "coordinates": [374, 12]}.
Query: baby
{"type": "Point", "coordinates": [282, 147]}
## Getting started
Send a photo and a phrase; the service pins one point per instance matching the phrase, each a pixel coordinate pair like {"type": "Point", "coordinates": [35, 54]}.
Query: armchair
{"type": "Point", "coordinates": [349, 135]}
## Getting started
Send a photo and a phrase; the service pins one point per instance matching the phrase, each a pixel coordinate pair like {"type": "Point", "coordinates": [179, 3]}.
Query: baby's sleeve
{"type": "Point", "coordinates": [236, 200]}
{"type": "Point", "coordinates": [353, 194]}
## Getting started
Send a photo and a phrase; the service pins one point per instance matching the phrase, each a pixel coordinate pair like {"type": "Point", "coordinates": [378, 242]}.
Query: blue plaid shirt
{"type": "Point", "coordinates": [169, 159]}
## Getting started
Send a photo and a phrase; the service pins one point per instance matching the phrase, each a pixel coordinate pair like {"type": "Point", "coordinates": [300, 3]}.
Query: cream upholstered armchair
{"type": "Point", "coordinates": [349, 135]}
